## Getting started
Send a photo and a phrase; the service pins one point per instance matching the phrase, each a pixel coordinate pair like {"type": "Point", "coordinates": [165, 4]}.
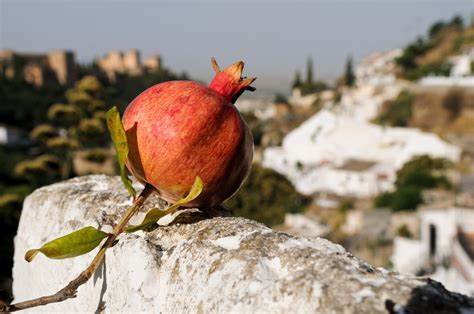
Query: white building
{"type": "Point", "coordinates": [340, 151]}
{"type": "Point", "coordinates": [298, 99]}
{"type": "Point", "coordinates": [462, 64]}
{"type": "Point", "coordinates": [446, 244]}
{"type": "Point", "coordinates": [461, 73]}
{"type": "Point", "coordinates": [262, 109]}
{"type": "Point", "coordinates": [377, 69]}
{"type": "Point", "coordinates": [336, 153]}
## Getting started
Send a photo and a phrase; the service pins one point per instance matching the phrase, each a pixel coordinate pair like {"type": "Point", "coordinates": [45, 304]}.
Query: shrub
{"type": "Point", "coordinates": [398, 112]}
{"type": "Point", "coordinates": [42, 170]}
{"type": "Point", "coordinates": [78, 97]}
{"type": "Point", "coordinates": [43, 132]}
{"type": "Point", "coordinates": [266, 196]}
{"type": "Point", "coordinates": [383, 200]}
{"type": "Point", "coordinates": [345, 206]}
{"type": "Point", "coordinates": [61, 143]}
{"type": "Point", "coordinates": [64, 115]}
{"type": "Point", "coordinates": [280, 98]}
{"type": "Point", "coordinates": [10, 207]}
{"type": "Point", "coordinates": [430, 69]}
{"type": "Point", "coordinates": [404, 232]}
{"type": "Point", "coordinates": [92, 126]}
{"type": "Point", "coordinates": [89, 84]}
{"type": "Point", "coordinates": [310, 88]}
{"type": "Point", "coordinates": [406, 198]}
{"type": "Point", "coordinates": [453, 103]}
{"type": "Point", "coordinates": [415, 176]}
{"type": "Point", "coordinates": [97, 155]}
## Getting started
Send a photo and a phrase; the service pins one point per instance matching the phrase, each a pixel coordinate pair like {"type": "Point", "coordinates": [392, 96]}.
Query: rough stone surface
{"type": "Point", "coordinates": [225, 265]}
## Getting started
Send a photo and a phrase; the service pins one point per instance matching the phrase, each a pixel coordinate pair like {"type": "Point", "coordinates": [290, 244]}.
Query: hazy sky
{"type": "Point", "coordinates": [274, 38]}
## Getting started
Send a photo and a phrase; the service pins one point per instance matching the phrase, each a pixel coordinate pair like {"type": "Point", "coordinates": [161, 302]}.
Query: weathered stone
{"type": "Point", "coordinates": [225, 265]}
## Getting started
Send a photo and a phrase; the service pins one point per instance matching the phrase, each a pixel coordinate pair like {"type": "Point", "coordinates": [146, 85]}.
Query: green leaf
{"type": "Point", "coordinates": [74, 244]}
{"type": "Point", "coordinates": [155, 214]}
{"type": "Point", "coordinates": [117, 133]}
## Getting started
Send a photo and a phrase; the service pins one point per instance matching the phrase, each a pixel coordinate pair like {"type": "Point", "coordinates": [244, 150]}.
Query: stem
{"type": "Point", "coordinates": [70, 290]}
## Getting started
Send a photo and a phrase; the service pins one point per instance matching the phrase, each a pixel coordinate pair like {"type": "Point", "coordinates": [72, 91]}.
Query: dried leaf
{"type": "Point", "coordinates": [117, 133]}
{"type": "Point", "coordinates": [74, 244]}
{"type": "Point", "coordinates": [155, 214]}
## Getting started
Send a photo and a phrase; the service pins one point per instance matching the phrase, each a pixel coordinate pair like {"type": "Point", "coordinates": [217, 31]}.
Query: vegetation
{"type": "Point", "coordinates": [404, 232]}
{"type": "Point", "coordinates": [416, 175]}
{"type": "Point", "coordinates": [256, 127]}
{"type": "Point", "coordinates": [345, 206]}
{"type": "Point", "coordinates": [280, 98]}
{"type": "Point", "coordinates": [430, 69]}
{"type": "Point", "coordinates": [297, 80]}
{"type": "Point", "coordinates": [349, 76]}
{"type": "Point", "coordinates": [266, 196]}
{"type": "Point", "coordinates": [23, 104]}
{"type": "Point", "coordinates": [309, 86]}
{"type": "Point", "coordinates": [413, 61]}
{"type": "Point", "coordinates": [397, 112]}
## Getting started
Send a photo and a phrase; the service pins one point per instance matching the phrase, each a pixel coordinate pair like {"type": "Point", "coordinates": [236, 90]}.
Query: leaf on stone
{"type": "Point", "coordinates": [74, 244]}
{"type": "Point", "coordinates": [117, 133]}
{"type": "Point", "coordinates": [155, 214]}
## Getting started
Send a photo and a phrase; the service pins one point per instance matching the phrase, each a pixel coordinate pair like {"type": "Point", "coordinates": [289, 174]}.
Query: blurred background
{"type": "Point", "coordinates": [363, 118]}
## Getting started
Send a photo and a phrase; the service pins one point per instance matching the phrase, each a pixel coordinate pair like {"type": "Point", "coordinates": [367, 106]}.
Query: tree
{"type": "Point", "coordinates": [309, 71]}
{"type": "Point", "coordinates": [297, 80]}
{"type": "Point", "coordinates": [266, 196]}
{"type": "Point", "coordinates": [397, 112]}
{"type": "Point", "coordinates": [418, 174]}
{"type": "Point", "coordinates": [436, 28]}
{"type": "Point", "coordinates": [280, 98]}
{"type": "Point", "coordinates": [457, 21]}
{"type": "Point", "coordinates": [349, 77]}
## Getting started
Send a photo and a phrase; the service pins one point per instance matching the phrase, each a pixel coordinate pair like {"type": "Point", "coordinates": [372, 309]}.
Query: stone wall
{"type": "Point", "coordinates": [224, 265]}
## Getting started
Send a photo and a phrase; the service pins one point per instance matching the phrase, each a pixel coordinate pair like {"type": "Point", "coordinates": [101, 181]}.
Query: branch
{"type": "Point", "coordinates": [70, 290]}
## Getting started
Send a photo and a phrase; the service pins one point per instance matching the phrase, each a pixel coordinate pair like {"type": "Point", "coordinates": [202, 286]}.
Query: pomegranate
{"type": "Point", "coordinates": [178, 130]}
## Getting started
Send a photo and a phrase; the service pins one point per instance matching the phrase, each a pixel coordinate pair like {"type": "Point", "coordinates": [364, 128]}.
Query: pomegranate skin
{"type": "Point", "coordinates": [181, 129]}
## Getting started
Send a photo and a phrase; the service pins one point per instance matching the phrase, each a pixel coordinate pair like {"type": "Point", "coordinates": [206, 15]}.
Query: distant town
{"type": "Point", "coordinates": [386, 156]}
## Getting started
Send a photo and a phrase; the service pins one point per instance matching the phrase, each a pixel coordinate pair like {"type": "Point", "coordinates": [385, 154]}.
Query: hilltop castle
{"type": "Point", "coordinates": [60, 66]}
{"type": "Point", "coordinates": [116, 62]}
{"type": "Point", "coordinates": [56, 66]}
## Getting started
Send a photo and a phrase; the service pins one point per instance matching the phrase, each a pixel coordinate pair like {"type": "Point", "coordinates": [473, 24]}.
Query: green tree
{"type": "Point", "coordinates": [457, 21]}
{"type": "Point", "coordinates": [297, 80]}
{"type": "Point", "coordinates": [436, 28]}
{"type": "Point", "coordinates": [415, 176]}
{"type": "Point", "coordinates": [266, 196]}
{"type": "Point", "coordinates": [309, 71]}
{"type": "Point", "coordinates": [397, 112]}
{"type": "Point", "coordinates": [280, 98]}
{"type": "Point", "coordinates": [349, 77]}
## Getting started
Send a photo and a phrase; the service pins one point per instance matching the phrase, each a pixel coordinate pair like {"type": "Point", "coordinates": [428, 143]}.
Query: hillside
{"type": "Point", "coordinates": [430, 55]}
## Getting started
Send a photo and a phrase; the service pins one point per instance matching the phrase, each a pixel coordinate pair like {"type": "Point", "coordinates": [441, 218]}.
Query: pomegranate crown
{"type": "Point", "coordinates": [229, 82]}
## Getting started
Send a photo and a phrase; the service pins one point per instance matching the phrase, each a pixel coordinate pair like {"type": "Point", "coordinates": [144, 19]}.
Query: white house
{"type": "Point", "coordinates": [297, 99]}
{"type": "Point", "coordinates": [337, 153]}
{"type": "Point", "coordinates": [446, 244]}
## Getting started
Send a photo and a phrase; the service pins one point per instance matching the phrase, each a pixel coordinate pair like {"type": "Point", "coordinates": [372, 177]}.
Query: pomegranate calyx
{"type": "Point", "coordinates": [229, 82]}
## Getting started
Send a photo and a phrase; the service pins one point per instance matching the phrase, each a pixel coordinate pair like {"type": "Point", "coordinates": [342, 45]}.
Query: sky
{"type": "Point", "coordinates": [274, 38]}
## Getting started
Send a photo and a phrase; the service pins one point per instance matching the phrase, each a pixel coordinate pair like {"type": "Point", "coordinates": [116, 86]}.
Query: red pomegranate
{"type": "Point", "coordinates": [178, 130]}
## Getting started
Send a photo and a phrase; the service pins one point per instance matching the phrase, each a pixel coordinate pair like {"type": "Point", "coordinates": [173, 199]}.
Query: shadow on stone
{"type": "Point", "coordinates": [101, 274]}
{"type": "Point", "coordinates": [432, 298]}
